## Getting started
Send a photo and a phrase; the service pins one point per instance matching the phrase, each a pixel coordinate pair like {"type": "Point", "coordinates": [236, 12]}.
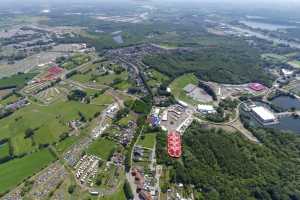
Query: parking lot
{"type": "Point", "coordinates": [175, 117]}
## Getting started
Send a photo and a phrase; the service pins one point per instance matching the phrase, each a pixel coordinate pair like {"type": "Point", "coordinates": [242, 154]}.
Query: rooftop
{"type": "Point", "coordinates": [264, 113]}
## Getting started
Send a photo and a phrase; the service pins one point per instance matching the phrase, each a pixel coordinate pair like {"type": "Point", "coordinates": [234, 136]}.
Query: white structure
{"type": "Point", "coordinates": [206, 109]}
{"type": "Point", "coordinates": [189, 88]}
{"type": "Point", "coordinates": [156, 111]}
{"type": "Point", "coordinates": [182, 103]}
{"type": "Point", "coordinates": [165, 116]}
{"type": "Point", "coordinates": [287, 73]}
{"type": "Point", "coordinates": [264, 114]}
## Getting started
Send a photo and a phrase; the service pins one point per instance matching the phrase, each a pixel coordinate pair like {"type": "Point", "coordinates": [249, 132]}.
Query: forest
{"type": "Point", "coordinates": [224, 165]}
{"type": "Point", "coordinates": [231, 63]}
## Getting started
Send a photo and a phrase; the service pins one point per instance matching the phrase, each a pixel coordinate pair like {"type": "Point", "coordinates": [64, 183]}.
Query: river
{"type": "Point", "coordinates": [265, 26]}
{"type": "Point", "coordinates": [263, 36]}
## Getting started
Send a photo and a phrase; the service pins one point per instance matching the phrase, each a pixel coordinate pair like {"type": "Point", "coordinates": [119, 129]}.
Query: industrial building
{"type": "Point", "coordinates": [263, 114]}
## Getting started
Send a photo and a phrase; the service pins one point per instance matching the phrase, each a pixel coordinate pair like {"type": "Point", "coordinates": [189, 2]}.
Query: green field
{"type": "Point", "coordinates": [124, 85]}
{"type": "Point", "coordinates": [104, 80]}
{"type": "Point", "coordinates": [62, 146]}
{"type": "Point", "coordinates": [156, 78]}
{"type": "Point", "coordinates": [179, 83]}
{"type": "Point", "coordinates": [16, 171]}
{"type": "Point", "coordinates": [49, 122]}
{"type": "Point", "coordinates": [4, 150]}
{"type": "Point", "coordinates": [102, 100]}
{"type": "Point", "coordinates": [274, 57]}
{"type": "Point", "coordinates": [75, 61]}
{"type": "Point", "coordinates": [18, 80]}
{"type": "Point", "coordinates": [9, 100]}
{"type": "Point", "coordinates": [125, 120]}
{"type": "Point", "coordinates": [148, 141]}
{"type": "Point", "coordinates": [102, 148]}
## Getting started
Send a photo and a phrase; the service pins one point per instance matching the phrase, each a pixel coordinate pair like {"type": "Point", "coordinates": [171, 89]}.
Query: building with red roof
{"type": "Point", "coordinates": [174, 144]}
{"type": "Point", "coordinates": [256, 87]}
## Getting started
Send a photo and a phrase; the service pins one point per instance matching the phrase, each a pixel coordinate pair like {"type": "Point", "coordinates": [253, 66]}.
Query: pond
{"type": "Point", "coordinates": [286, 102]}
{"type": "Point", "coordinates": [285, 123]}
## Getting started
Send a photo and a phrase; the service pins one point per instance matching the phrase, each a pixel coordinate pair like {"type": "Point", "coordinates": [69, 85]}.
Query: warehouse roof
{"type": "Point", "coordinates": [264, 113]}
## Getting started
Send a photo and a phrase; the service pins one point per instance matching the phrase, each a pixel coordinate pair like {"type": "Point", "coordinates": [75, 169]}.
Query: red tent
{"type": "Point", "coordinates": [174, 144]}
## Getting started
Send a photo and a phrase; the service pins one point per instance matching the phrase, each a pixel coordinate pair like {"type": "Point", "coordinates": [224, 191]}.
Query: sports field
{"type": "Point", "coordinates": [16, 171]}
{"type": "Point", "coordinates": [179, 83]}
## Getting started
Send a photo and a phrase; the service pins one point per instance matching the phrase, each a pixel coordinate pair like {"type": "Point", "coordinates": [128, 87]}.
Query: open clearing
{"type": "Point", "coordinates": [14, 172]}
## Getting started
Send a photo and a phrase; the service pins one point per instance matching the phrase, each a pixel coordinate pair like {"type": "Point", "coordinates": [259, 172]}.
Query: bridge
{"type": "Point", "coordinates": [287, 114]}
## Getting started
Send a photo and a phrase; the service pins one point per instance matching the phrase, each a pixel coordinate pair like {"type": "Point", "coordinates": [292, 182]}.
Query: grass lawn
{"type": "Point", "coordinates": [102, 100]}
{"type": "Point", "coordinates": [9, 100]}
{"type": "Point", "coordinates": [118, 195]}
{"type": "Point", "coordinates": [179, 83]}
{"type": "Point", "coordinates": [49, 122]}
{"type": "Point", "coordinates": [17, 80]}
{"type": "Point", "coordinates": [76, 60]}
{"type": "Point", "coordinates": [125, 120]}
{"type": "Point", "coordinates": [62, 146]}
{"type": "Point", "coordinates": [4, 150]}
{"type": "Point", "coordinates": [274, 57]}
{"type": "Point", "coordinates": [102, 148]}
{"type": "Point", "coordinates": [16, 171]}
{"type": "Point", "coordinates": [108, 79]}
{"type": "Point", "coordinates": [83, 78]}
{"type": "Point", "coordinates": [103, 80]}
{"type": "Point", "coordinates": [148, 141]}
{"type": "Point", "coordinates": [21, 145]}
{"type": "Point", "coordinates": [124, 85]}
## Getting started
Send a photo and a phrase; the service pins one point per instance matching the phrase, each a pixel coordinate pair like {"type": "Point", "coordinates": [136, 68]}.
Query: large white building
{"type": "Point", "coordinates": [264, 114]}
{"type": "Point", "coordinates": [206, 109]}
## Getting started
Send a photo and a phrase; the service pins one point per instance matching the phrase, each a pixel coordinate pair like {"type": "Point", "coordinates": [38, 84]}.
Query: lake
{"type": "Point", "coordinates": [288, 124]}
